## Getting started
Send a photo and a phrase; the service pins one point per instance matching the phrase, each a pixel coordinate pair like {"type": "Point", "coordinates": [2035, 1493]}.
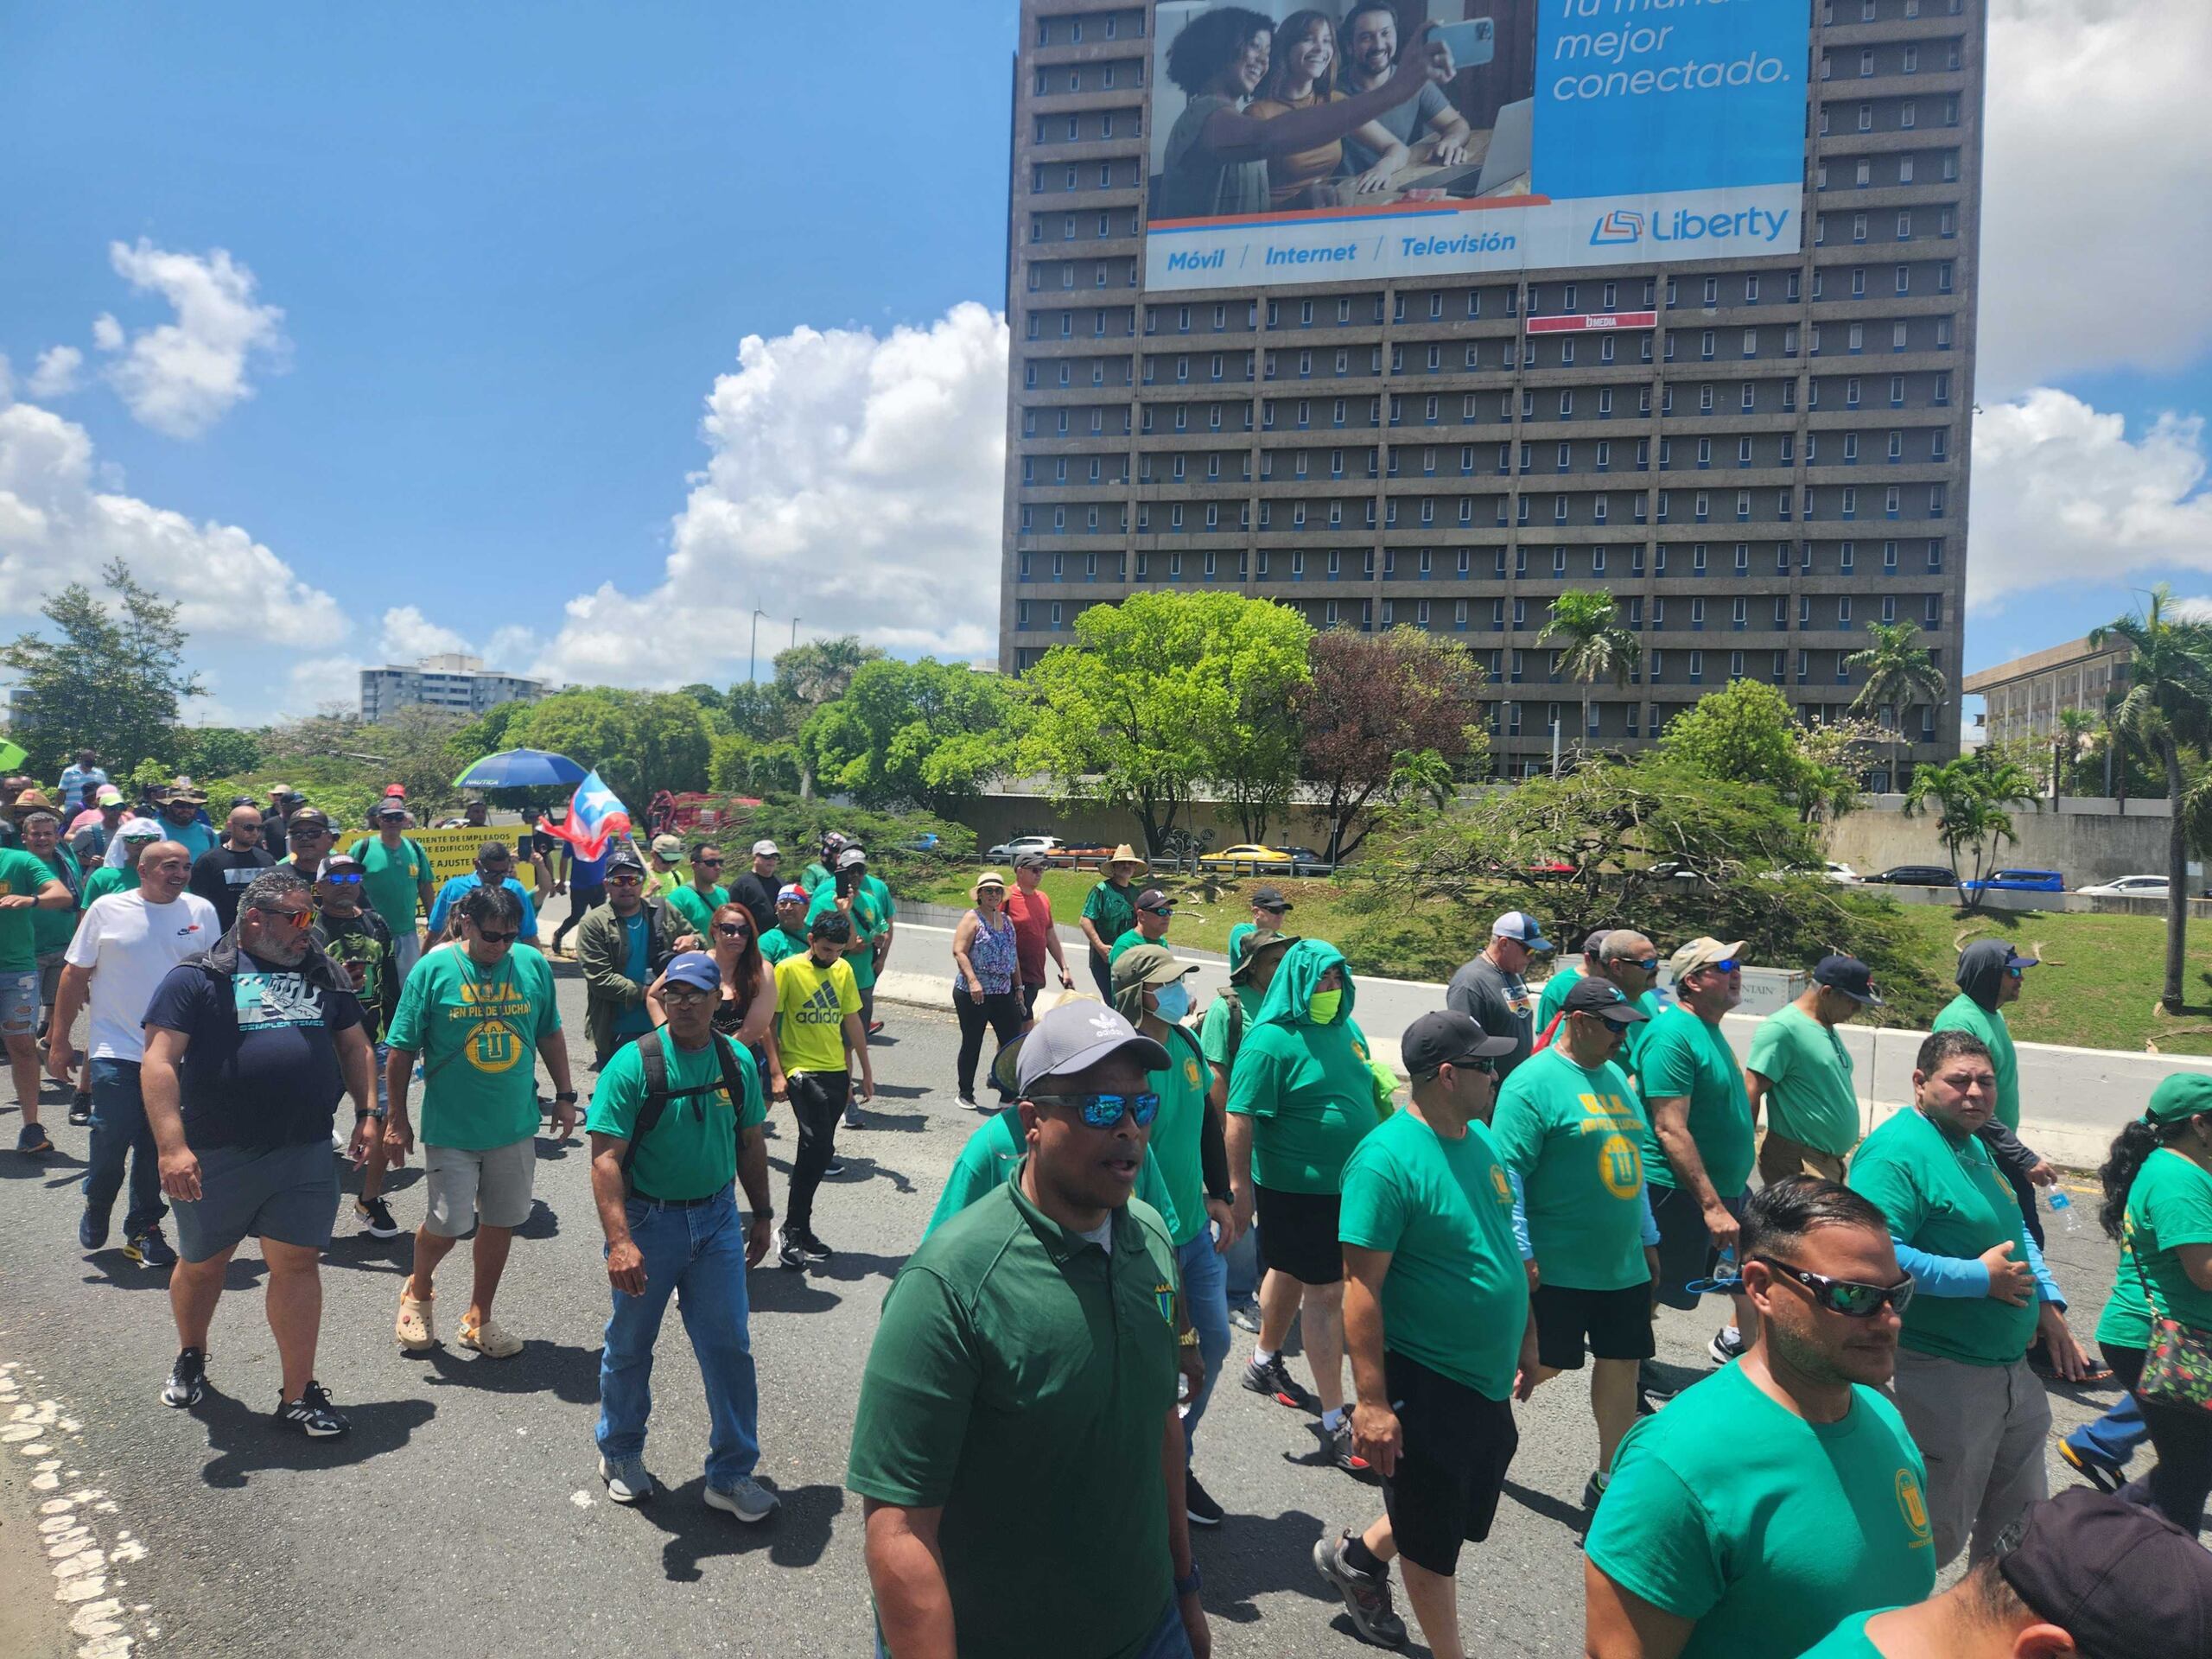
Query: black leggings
{"type": "Point", "coordinates": [1001, 1010]}
{"type": "Point", "coordinates": [818, 1102]}
{"type": "Point", "coordinates": [581, 899]}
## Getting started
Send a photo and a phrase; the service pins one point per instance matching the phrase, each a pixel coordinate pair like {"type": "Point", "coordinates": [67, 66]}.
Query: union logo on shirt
{"type": "Point", "coordinates": [1165, 1295]}
{"type": "Point", "coordinates": [1914, 1506]}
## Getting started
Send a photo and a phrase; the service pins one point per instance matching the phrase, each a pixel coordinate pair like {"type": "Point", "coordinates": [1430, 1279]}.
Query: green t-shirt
{"type": "Point", "coordinates": [1946, 1199]}
{"type": "Point", "coordinates": [2125, 1321]}
{"type": "Point", "coordinates": [392, 880]}
{"type": "Point", "coordinates": [776, 944]}
{"type": "Point", "coordinates": [987, 1162]}
{"type": "Point", "coordinates": [1182, 1090]}
{"type": "Point", "coordinates": [1848, 1640]}
{"type": "Point", "coordinates": [477, 1030]}
{"type": "Point", "coordinates": [1111, 910]}
{"type": "Point", "coordinates": [1130, 936]}
{"type": "Point", "coordinates": [2169, 1206]}
{"type": "Point", "coordinates": [691, 1152]}
{"type": "Point", "coordinates": [109, 877]}
{"type": "Point", "coordinates": [1456, 1296]}
{"type": "Point", "coordinates": [1574, 1136]}
{"type": "Point", "coordinates": [51, 930]}
{"type": "Point", "coordinates": [1681, 1055]}
{"type": "Point", "coordinates": [1962, 1013]}
{"type": "Point", "coordinates": [698, 908]}
{"type": "Point", "coordinates": [1311, 1091]}
{"type": "Point", "coordinates": [24, 873]}
{"type": "Point", "coordinates": [1562, 981]}
{"type": "Point", "coordinates": [1222, 1028]}
{"type": "Point", "coordinates": [1809, 1096]}
{"type": "Point", "coordinates": [814, 875]}
{"type": "Point", "coordinates": [812, 1003]}
{"type": "Point", "coordinates": [1731, 1510]}
{"type": "Point", "coordinates": [886, 907]}
{"type": "Point", "coordinates": [1014, 1358]}
{"type": "Point", "coordinates": [868, 926]}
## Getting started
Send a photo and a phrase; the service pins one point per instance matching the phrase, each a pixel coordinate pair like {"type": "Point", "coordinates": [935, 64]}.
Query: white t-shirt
{"type": "Point", "coordinates": [129, 947]}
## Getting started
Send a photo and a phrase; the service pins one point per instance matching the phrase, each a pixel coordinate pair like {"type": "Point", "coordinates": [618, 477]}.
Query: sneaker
{"type": "Point", "coordinates": [831, 1170]}
{"type": "Point", "coordinates": [1728, 1343]}
{"type": "Point", "coordinates": [1198, 1503]}
{"type": "Point", "coordinates": [969, 1101]}
{"type": "Point", "coordinates": [854, 1119]}
{"type": "Point", "coordinates": [187, 1379]}
{"type": "Point", "coordinates": [1593, 1489]}
{"type": "Point", "coordinates": [1275, 1378]}
{"type": "Point", "coordinates": [375, 1217]}
{"type": "Point", "coordinates": [2100, 1472]}
{"type": "Point", "coordinates": [1367, 1599]}
{"type": "Point", "coordinates": [812, 1249]}
{"type": "Point", "coordinates": [91, 1229]}
{"type": "Point", "coordinates": [149, 1249]}
{"type": "Point", "coordinates": [626, 1479]}
{"type": "Point", "coordinates": [1245, 1316]}
{"type": "Point", "coordinates": [312, 1413]}
{"type": "Point", "coordinates": [1339, 1447]}
{"type": "Point", "coordinates": [31, 1140]}
{"type": "Point", "coordinates": [873, 1026]}
{"type": "Point", "coordinates": [749, 1501]}
{"type": "Point", "coordinates": [80, 1110]}
{"type": "Point", "coordinates": [787, 1249]}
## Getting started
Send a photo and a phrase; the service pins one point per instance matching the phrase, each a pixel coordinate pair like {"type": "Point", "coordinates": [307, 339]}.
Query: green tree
{"type": "Point", "coordinates": [1748, 731]}
{"type": "Point", "coordinates": [1372, 698]}
{"type": "Point", "coordinates": [1153, 698]}
{"type": "Point", "coordinates": [111, 677]}
{"type": "Point", "coordinates": [813, 675]}
{"type": "Point", "coordinates": [1973, 797]}
{"type": "Point", "coordinates": [737, 764]}
{"type": "Point", "coordinates": [925, 732]}
{"type": "Point", "coordinates": [218, 751]}
{"type": "Point", "coordinates": [489, 734]}
{"type": "Point", "coordinates": [2166, 708]}
{"type": "Point", "coordinates": [1598, 647]}
{"type": "Point", "coordinates": [637, 741]}
{"type": "Point", "coordinates": [1899, 674]}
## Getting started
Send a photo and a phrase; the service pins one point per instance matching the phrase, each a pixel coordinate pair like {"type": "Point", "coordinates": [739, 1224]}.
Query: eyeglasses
{"type": "Point", "coordinates": [1845, 1296]}
{"type": "Point", "coordinates": [680, 991]}
{"type": "Point", "coordinates": [733, 930]}
{"type": "Point", "coordinates": [300, 919]}
{"type": "Point", "coordinates": [1104, 1111]}
{"type": "Point", "coordinates": [347, 880]}
{"type": "Point", "coordinates": [490, 938]}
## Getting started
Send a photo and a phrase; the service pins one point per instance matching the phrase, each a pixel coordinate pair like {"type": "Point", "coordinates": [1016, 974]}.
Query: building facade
{"type": "Point", "coordinates": [449, 681]}
{"type": "Point", "coordinates": [2024, 697]}
{"type": "Point", "coordinates": [1775, 460]}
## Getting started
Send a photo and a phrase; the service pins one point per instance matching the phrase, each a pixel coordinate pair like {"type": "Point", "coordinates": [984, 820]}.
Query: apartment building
{"type": "Point", "coordinates": [449, 680]}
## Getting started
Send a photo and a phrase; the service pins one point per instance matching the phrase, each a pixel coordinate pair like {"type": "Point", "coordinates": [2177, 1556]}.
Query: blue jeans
{"type": "Point", "coordinates": [120, 1132]}
{"type": "Point", "coordinates": [1168, 1640]}
{"type": "Point", "coordinates": [1244, 1264]}
{"type": "Point", "coordinates": [1205, 1276]}
{"type": "Point", "coordinates": [2114, 1437]}
{"type": "Point", "coordinates": [702, 1251]}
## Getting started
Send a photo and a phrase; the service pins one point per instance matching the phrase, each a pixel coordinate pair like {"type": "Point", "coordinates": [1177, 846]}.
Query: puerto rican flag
{"type": "Point", "coordinates": [597, 819]}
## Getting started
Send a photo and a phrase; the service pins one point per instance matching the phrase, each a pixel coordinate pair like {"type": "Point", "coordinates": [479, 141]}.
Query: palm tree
{"type": "Point", "coordinates": [1600, 649]}
{"type": "Point", "coordinates": [1899, 673]}
{"type": "Point", "coordinates": [817, 674]}
{"type": "Point", "coordinates": [1973, 796]}
{"type": "Point", "coordinates": [2167, 706]}
{"type": "Point", "coordinates": [2075, 741]}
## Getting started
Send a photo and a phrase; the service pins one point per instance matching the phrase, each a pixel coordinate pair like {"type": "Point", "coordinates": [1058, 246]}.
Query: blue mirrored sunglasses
{"type": "Point", "coordinates": [346, 879]}
{"type": "Point", "coordinates": [1104, 1111]}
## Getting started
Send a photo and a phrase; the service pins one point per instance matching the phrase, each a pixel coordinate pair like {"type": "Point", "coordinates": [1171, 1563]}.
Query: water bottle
{"type": "Point", "coordinates": [2063, 1207]}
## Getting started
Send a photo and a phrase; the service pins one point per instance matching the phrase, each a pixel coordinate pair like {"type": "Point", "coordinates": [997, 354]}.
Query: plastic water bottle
{"type": "Point", "coordinates": [2063, 1207]}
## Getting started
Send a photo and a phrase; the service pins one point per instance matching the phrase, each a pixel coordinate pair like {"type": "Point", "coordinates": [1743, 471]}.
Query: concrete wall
{"type": "Point", "coordinates": [2090, 841]}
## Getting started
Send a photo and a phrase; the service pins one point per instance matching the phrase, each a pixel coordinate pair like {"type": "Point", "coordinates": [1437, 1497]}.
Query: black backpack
{"type": "Point", "coordinates": [659, 1094]}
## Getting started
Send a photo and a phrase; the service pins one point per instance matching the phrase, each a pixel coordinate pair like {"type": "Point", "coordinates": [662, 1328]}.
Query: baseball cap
{"type": "Point", "coordinates": [625, 858]}
{"type": "Point", "coordinates": [791, 892]}
{"type": "Point", "coordinates": [668, 847]}
{"type": "Point", "coordinates": [1446, 1038]}
{"type": "Point", "coordinates": [1605, 998]}
{"type": "Point", "coordinates": [2179, 1095]}
{"type": "Point", "coordinates": [308, 818]}
{"type": "Point", "coordinates": [694, 968]}
{"type": "Point", "coordinates": [107, 795]}
{"type": "Point", "coordinates": [1521, 928]}
{"type": "Point", "coordinates": [1850, 975]}
{"type": "Point", "coordinates": [1154, 899]}
{"type": "Point", "coordinates": [2121, 1581]}
{"type": "Point", "coordinates": [1270, 898]}
{"type": "Point", "coordinates": [1076, 1036]}
{"type": "Point", "coordinates": [766, 850]}
{"type": "Point", "coordinates": [1148, 964]}
{"type": "Point", "coordinates": [391, 807]}
{"type": "Point", "coordinates": [395, 790]}
{"type": "Point", "coordinates": [852, 858]}
{"type": "Point", "coordinates": [1029, 862]}
{"type": "Point", "coordinates": [243, 800]}
{"type": "Point", "coordinates": [338, 862]}
{"type": "Point", "coordinates": [1247, 952]}
{"type": "Point", "coordinates": [1703, 952]}
{"type": "Point", "coordinates": [1593, 941]}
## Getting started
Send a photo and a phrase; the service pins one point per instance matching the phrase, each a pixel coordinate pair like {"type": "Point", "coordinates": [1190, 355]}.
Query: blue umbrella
{"type": "Point", "coordinates": [521, 769]}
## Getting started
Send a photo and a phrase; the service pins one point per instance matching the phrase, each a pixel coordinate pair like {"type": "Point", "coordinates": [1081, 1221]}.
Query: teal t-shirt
{"type": "Point", "coordinates": [1575, 1137]}
{"type": "Point", "coordinates": [990, 1156]}
{"type": "Point", "coordinates": [2125, 1321]}
{"type": "Point", "coordinates": [691, 1152]}
{"type": "Point", "coordinates": [1128, 937]}
{"type": "Point", "coordinates": [1810, 1097]}
{"type": "Point", "coordinates": [776, 944]}
{"type": "Point", "coordinates": [1765, 1529]}
{"type": "Point", "coordinates": [1682, 1056]}
{"type": "Point", "coordinates": [697, 908]}
{"type": "Point", "coordinates": [1962, 1013]}
{"type": "Point", "coordinates": [391, 878]}
{"type": "Point", "coordinates": [1456, 1296]}
{"type": "Point", "coordinates": [1554, 995]}
{"type": "Point", "coordinates": [1848, 1640]}
{"type": "Point", "coordinates": [868, 924]}
{"type": "Point", "coordinates": [1311, 1091]}
{"type": "Point", "coordinates": [21, 873]}
{"type": "Point", "coordinates": [1947, 1198]}
{"type": "Point", "coordinates": [477, 1030]}
{"type": "Point", "coordinates": [1111, 910]}
{"type": "Point", "coordinates": [1175, 1134]}
{"type": "Point", "coordinates": [2170, 1206]}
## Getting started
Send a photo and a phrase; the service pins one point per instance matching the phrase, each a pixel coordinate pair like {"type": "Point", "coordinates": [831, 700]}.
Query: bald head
{"type": "Point", "coordinates": [243, 827]}
{"type": "Point", "coordinates": [164, 867]}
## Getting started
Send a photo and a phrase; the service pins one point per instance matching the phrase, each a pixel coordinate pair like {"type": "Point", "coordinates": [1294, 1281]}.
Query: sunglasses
{"type": "Point", "coordinates": [1650, 964]}
{"type": "Point", "coordinates": [1164, 911]}
{"type": "Point", "coordinates": [490, 938]}
{"type": "Point", "coordinates": [300, 919]}
{"type": "Point", "coordinates": [1727, 967]}
{"type": "Point", "coordinates": [1104, 1111]}
{"type": "Point", "coordinates": [731, 930]}
{"type": "Point", "coordinates": [627, 879]}
{"type": "Point", "coordinates": [1845, 1296]}
{"type": "Point", "coordinates": [343, 880]}
{"type": "Point", "coordinates": [310, 832]}
{"type": "Point", "coordinates": [707, 863]}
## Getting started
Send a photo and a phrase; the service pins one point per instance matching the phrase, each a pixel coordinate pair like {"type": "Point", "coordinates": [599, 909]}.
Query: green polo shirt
{"type": "Point", "coordinates": [1021, 1380]}
{"type": "Point", "coordinates": [691, 1152]}
{"type": "Point", "coordinates": [1962, 1013]}
{"type": "Point", "coordinates": [987, 1162]}
{"type": "Point", "coordinates": [1947, 1198]}
{"type": "Point", "coordinates": [1573, 1136]}
{"type": "Point", "coordinates": [1681, 1055]}
{"type": "Point", "coordinates": [1810, 1097]}
{"type": "Point", "coordinates": [1111, 910]}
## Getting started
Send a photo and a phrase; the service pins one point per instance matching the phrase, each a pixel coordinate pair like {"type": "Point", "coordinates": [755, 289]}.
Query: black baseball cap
{"type": "Point", "coordinates": [1851, 976]}
{"type": "Point", "coordinates": [1447, 1039]}
{"type": "Point", "coordinates": [340, 863]}
{"type": "Point", "coordinates": [1604, 998]}
{"type": "Point", "coordinates": [1153, 899]}
{"type": "Point", "coordinates": [2121, 1581]}
{"type": "Point", "coordinates": [1270, 898]}
{"type": "Point", "coordinates": [624, 858]}
{"type": "Point", "coordinates": [309, 818]}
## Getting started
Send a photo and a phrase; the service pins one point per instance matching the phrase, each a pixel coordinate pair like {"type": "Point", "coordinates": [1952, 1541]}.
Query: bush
{"type": "Point", "coordinates": [797, 827]}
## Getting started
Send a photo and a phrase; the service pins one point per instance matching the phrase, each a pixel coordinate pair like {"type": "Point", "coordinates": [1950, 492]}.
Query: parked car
{"type": "Point", "coordinates": [1842, 873]}
{"type": "Point", "coordinates": [2129, 887]}
{"type": "Point", "coordinates": [1914, 875]}
{"type": "Point", "coordinates": [1304, 860]}
{"type": "Point", "coordinates": [2020, 881]}
{"type": "Point", "coordinates": [1245, 854]}
{"type": "Point", "coordinates": [1051, 846]}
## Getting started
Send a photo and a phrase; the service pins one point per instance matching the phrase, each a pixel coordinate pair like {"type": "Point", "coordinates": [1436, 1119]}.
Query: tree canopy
{"type": "Point", "coordinates": [111, 676]}
{"type": "Point", "coordinates": [1373, 698]}
{"type": "Point", "coordinates": [926, 732]}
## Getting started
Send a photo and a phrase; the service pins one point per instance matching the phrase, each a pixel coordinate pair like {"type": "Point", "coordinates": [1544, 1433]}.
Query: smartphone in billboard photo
{"type": "Point", "coordinates": [1472, 43]}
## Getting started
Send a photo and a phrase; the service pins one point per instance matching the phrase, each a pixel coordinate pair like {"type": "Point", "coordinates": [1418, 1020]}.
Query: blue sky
{"type": "Point", "coordinates": [519, 252]}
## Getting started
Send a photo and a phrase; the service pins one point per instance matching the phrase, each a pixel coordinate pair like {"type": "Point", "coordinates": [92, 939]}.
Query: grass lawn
{"type": "Point", "coordinates": [1203, 924]}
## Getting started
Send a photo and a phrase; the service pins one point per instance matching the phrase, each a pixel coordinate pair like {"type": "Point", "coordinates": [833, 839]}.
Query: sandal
{"type": "Point", "coordinates": [413, 1327]}
{"type": "Point", "coordinates": [490, 1340]}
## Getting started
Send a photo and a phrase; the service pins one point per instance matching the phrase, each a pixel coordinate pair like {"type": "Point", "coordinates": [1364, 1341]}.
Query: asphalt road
{"type": "Point", "coordinates": [464, 1513]}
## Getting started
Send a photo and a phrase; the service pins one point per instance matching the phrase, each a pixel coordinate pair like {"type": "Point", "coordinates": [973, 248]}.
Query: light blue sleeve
{"type": "Point", "coordinates": [2046, 1282]}
{"type": "Point", "coordinates": [1520, 1218]}
{"type": "Point", "coordinates": [439, 907]}
{"type": "Point", "coordinates": [1956, 1276]}
{"type": "Point", "coordinates": [529, 910]}
{"type": "Point", "coordinates": [1651, 1225]}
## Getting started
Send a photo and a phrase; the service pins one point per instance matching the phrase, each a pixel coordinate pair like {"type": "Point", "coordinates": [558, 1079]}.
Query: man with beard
{"type": "Point", "coordinates": [357, 939]}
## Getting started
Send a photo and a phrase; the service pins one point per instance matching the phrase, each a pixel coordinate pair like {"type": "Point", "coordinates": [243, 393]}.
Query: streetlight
{"type": "Point", "coordinates": [753, 650]}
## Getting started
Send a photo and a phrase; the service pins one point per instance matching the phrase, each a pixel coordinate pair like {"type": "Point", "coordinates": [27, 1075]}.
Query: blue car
{"type": "Point", "coordinates": [2021, 881]}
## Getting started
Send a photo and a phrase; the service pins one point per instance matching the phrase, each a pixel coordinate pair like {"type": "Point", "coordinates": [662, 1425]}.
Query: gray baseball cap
{"type": "Point", "coordinates": [1076, 1036]}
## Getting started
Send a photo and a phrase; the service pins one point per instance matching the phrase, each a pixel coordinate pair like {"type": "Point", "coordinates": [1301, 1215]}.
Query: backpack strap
{"type": "Point", "coordinates": [653, 1057]}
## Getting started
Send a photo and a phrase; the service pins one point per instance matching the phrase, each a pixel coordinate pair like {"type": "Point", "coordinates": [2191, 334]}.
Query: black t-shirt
{"type": "Point", "coordinates": [364, 941]}
{"type": "Point", "coordinates": [757, 893]}
{"type": "Point", "coordinates": [273, 838]}
{"type": "Point", "coordinates": [261, 1067]}
{"type": "Point", "coordinates": [221, 878]}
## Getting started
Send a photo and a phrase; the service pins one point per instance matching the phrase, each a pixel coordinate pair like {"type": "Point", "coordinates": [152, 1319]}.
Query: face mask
{"type": "Point", "coordinates": [1323, 1008]}
{"type": "Point", "coordinates": [1172, 1001]}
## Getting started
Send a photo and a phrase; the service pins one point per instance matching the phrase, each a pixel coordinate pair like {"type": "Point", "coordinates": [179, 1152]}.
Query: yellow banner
{"type": "Point", "coordinates": [453, 852]}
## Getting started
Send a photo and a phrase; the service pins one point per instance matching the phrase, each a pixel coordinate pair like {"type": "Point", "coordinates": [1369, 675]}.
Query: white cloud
{"type": "Point", "coordinates": [55, 374]}
{"type": "Point", "coordinates": [2098, 162]}
{"type": "Point", "coordinates": [854, 479]}
{"type": "Point", "coordinates": [2062, 494]}
{"type": "Point", "coordinates": [408, 635]}
{"type": "Point", "coordinates": [180, 378]}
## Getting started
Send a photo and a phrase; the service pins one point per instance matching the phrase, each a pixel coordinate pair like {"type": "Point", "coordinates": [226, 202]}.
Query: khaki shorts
{"type": "Point", "coordinates": [1780, 1158]}
{"type": "Point", "coordinates": [492, 1186]}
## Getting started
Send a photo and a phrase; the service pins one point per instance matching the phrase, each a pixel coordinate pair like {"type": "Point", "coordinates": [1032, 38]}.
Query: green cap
{"type": "Point", "coordinates": [2182, 1095]}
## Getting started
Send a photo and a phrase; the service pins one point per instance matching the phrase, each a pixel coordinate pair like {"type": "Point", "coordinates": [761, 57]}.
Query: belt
{"type": "Point", "coordinates": [640, 1196]}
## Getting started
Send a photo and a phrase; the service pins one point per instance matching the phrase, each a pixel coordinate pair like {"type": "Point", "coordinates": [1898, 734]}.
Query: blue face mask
{"type": "Point", "coordinates": [1174, 1001]}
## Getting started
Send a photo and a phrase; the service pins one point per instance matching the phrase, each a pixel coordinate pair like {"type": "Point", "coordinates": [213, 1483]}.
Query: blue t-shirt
{"type": "Point", "coordinates": [636, 1021]}
{"type": "Point", "coordinates": [196, 837]}
{"type": "Point", "coordinates": [588, 872]}
{"type": "Point", "coordinates": [460, 886]}
{"type": "Point", "coordinates": [261, 1064]}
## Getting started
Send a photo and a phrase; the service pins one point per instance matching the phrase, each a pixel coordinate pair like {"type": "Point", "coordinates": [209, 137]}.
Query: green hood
{"type": "Point", "coordinates": [1296, 975]}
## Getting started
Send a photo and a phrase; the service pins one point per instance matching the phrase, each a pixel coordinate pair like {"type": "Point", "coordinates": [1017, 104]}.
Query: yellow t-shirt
{"type": "Point", "coordinates": [812, 1003]}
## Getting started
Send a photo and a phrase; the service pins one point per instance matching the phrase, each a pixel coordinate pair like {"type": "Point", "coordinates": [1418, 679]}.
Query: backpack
{"type": "Point", "coordinates": [1227, 996]}
{"type": "Point", "coordinates": [654, 1056]}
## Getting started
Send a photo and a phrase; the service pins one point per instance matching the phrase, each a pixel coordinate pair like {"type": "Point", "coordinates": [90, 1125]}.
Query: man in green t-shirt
{"type": "Point", "coordinates": [664, 1192]}
{"type": "Point", "coordinates": [886, 930]}
{"type": "Point", "coordinates": [1801, 1072]}
{"type": "Point", "coordinates": [1109, 911]}
{"type": "Point", "coordinates": [400, 882]}
{"type": "Point", "coordinates": [1019, 1404]}
{"type": "Point", "coordinates": [1991, 975]}
{"type": "Point", "coordinates": [1563, 977]}
{"type": "Point", "coordinates": [788, 936]}
{"type": "Point", "coordinates": [1783, 1494]}
{"type": "Point", "coordinates": [697, 899]}
{"type": "Point", "coordinates": [475, 1012]}
{"type": "Point", "coordinates": [1698, 1150]}
{"type": "Point", "coordinates": [1154, 911]}
{"type": "Point", "coordinates": [27, 886]}
{"type": "Point", "coordinates": [1436, 1321]}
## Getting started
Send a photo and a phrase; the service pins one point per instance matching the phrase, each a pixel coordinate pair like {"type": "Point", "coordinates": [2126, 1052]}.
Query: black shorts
{"type": "Point", "coordinates": [1457, 1446]}
{"type": "Point", "coordinates": [1616, 1323]}
{"type": "Point", "coordinates": [1686, 1250]}
{"type": "Point", "coordinates": [1298, 1235]}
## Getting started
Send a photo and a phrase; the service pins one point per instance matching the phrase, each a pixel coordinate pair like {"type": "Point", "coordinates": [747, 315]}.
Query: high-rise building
{"type": "Point", "coordinates": [449, 680]}
{"type": "Point", "coordinates": [1756, 455]}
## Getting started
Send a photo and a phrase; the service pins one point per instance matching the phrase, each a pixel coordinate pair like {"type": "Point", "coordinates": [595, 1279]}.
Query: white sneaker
{"type": "Point", "coordinates": [627, 1481]}
{"type": "Point", "coordinates": [749, 1501]}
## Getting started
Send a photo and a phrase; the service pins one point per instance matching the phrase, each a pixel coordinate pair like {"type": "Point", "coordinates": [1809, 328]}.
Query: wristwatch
{"type": "Point", "coordinates": [566, 1094]}
{"type": "Point", "coordinates": [1192, 1586]}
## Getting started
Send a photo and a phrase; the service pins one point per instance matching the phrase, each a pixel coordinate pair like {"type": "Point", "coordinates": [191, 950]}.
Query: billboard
{"type": "Point", "coordinates": [1295, 145]}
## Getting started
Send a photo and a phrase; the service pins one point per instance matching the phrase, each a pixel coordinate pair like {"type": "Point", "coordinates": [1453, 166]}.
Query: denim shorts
{"type": "Point", "coordinates": [19, 1003]}
{"type": "Point", "coordinates": [287, 1193]}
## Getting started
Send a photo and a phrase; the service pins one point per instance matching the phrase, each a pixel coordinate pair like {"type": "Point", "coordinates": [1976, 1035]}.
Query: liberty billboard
{"type": "Point", "coordinates": [1422, 137]}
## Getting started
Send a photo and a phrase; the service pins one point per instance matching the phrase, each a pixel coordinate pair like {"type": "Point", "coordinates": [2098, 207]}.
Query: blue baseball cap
{"type": "Point", "coordinates": [695, 968]}
{"type": "Point", "coordinates": [1521, 928]}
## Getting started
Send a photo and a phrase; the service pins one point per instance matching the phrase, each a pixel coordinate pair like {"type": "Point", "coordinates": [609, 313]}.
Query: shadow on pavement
{"type": "Point", "coordinates": [567, 1372]}
{"type": "Point", "coordinates": [18, 1166]}
{"type": "Point", "coordinates": [1258, 1555]}
{"type": "Point", "coordinates": [1570, 1516]}
{"type": "Point", "coordinates": [244, 1273]}
{"type": "Point", "coordinates": [246, 1442]}
{"type": "Point", "coordinates": [859, 1170]}
{"type": "Point", "coordinates": [544, 1222]}
{"type": "Point", "coordinates": [796, 1536]}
